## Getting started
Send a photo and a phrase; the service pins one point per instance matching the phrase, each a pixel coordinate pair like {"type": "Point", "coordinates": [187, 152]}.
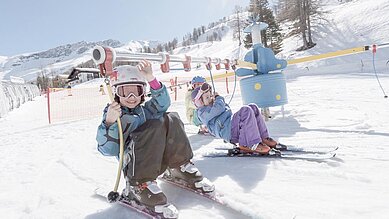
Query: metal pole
{"type": "Point", "coordinates": [99, 55]}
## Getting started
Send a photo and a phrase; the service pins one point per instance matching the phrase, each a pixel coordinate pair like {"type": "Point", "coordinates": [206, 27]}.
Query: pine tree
{"type": "Point", "coordinates": [195, 35]}
{"type": "Point", "coordinates": [170, 46]}
{"type": "Point", "coordinates": [174, 43]}
{"type": "Point", "coordinates": [248, 41]}
{"type": "Point", "coordinates": [190, 39]}
{"type": "Point", "coordinates": [159, 48]}
{"type": "Point", "coordinates": [145, 49]}
{"type": "Point", "coordinates": [166, 47]}
{"type": "Point", "coordinates": [273, 36]}
{"type": "Point", "coordinates": [215, 36]}
{"type": "Point", "coordinates": [199, 32]}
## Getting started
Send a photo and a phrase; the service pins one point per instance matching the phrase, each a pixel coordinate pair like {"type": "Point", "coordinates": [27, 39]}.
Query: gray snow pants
{"type": "Point", "coordinates": [154, 146]}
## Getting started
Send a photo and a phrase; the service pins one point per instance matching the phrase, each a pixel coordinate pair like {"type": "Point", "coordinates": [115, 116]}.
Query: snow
{"type": "Point", "coordinates": [2, 59]}
{"type": "Point", "coordinates": [51, 171]}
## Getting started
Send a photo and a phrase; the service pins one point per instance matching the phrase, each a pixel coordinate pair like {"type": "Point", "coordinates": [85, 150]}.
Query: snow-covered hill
{"type": "Point", "coordinates": [59, 60]}
{"type": "Point", "coordinates": [2, 59]}
{"type": "Point", "coordinates": [345, 25]}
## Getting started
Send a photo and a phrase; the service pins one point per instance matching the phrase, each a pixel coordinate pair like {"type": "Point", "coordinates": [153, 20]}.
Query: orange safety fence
{"type": "Point", "coordinates": [81, 102]}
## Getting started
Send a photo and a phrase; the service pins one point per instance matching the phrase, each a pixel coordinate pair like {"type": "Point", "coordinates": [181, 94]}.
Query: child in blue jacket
{"type": "Point", "coordinates": [246, 127]}
{"type": "Point", "coordinates": [191, 112]}
{"type": "Point", "coordinates": [154, 140]}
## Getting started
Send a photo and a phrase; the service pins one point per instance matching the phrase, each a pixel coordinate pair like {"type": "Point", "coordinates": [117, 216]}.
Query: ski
{"type": "Point", "coordinates": [214, 196]}
{"type": "Point", "coordinates": [133, 205]}
{"type": "Point", "coordinates": [236, 152]}
{"type": "Point", "coordinates": [209, 195]}
{"type": "Point", "coordinates": [139, 208]}
{"type": "Point", "coordinates": [313, 150]}
{"type": "Point", "coordinates": [295, 149]}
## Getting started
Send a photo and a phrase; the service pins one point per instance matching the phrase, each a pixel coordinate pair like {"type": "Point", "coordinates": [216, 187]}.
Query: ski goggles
{"type": "Point", "coordinates": [127, 90]}
{"type": "Point", "coordinates": [203, 89]}
{"type": "Point", "coordinates": [197, 84]}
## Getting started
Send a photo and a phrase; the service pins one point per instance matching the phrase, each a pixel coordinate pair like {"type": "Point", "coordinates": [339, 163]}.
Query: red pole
{"type": "Point", "coordinates": [48, 104]}
{"type": "Point", "coordinates": [374, 48]}
{"type": "Point", "coordinates": [175, 89]}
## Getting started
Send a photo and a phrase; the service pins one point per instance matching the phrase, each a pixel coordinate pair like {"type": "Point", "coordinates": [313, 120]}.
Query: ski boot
{"type": "Point", "coordinates": [274, 144]}
{"type": "Point", "coordinates": [258, 148]}
{"type": "Point", "coordinates": [189, 175]}
{"type": "Point", "coordinates": [203, 130]}
{"type": "Point", "coordinates": [151, 196]}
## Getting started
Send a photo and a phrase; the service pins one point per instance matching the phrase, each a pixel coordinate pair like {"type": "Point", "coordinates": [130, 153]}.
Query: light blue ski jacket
{"type": "Point", "coordinates": [108, 137]}
{"type": "Point", "coordinates": [217, 118]}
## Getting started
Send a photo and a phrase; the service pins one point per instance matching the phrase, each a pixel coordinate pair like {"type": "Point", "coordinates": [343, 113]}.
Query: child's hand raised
{"type": "Point", "coordinates": [113, 113]}
{"type": "Point", "coordinates": [145, 69]}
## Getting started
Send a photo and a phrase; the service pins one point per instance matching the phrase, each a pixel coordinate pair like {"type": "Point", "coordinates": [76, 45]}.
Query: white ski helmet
{"type": "Point", "coordinates": [127, 74]}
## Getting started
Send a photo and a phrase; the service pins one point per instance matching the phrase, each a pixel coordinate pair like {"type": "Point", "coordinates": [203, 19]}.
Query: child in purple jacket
{"type": "Point", "coordinates": [245, 127]}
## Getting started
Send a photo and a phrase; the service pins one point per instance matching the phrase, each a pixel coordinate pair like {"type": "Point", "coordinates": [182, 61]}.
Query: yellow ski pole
{"type": "Point", "coordinates": [104, 57]}
{"type": "Point", "coordinates": [114, 195]}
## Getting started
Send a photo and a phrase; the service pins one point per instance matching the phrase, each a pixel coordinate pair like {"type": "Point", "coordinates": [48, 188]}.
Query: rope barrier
{"type": "Point", "coordinates": [235, 77]}
{"type": "Point", "coordinates": [375, 72]}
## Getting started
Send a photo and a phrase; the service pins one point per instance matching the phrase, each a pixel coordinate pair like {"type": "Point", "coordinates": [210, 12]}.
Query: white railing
{"type": "Point", "coordinates": [13, 95]}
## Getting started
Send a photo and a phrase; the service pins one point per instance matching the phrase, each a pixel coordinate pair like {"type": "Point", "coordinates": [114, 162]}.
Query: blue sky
{"type": "Point", "coordinates": [36, 25]}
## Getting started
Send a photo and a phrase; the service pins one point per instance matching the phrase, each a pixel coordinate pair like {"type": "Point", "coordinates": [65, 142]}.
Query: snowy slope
{"type": "Point", "coordinates": [60, 60]}
{"type": "Point", "coordinates": [343, 26]}
{"type": "Point", "coordinates": [2, 61]}
{"type": "Point", "coordinates": [52, 171]}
